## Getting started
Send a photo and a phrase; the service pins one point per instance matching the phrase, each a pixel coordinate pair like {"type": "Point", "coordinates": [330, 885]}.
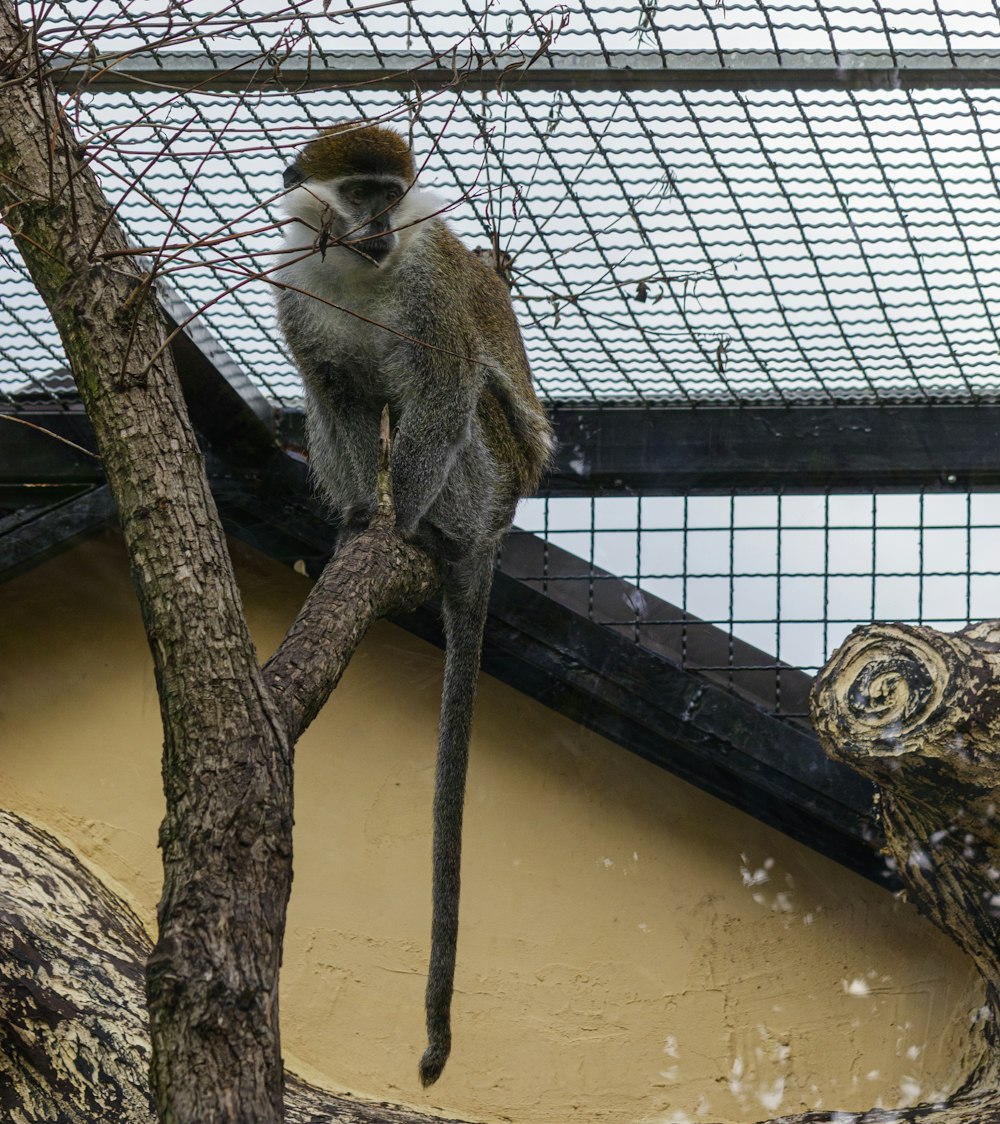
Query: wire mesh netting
{"type": "Point", "coordinates": [711, 247]}
{"type": "Point", "coordinates": [788, 576]}
{"type": "Point", "coordinates": [670, 246]}
{"type": "Point", "coordinates": [673, 244]}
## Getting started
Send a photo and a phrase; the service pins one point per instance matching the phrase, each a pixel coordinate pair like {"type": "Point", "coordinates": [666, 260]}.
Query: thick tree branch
{"type": "Point", "coordinates": [226, 839]}
{"type": "Point", "coordinates": [74, 1043]}
{"type": "Point", "coordinates": [373, 576]}
{"type": "Point", "coordinates": [918, 712]}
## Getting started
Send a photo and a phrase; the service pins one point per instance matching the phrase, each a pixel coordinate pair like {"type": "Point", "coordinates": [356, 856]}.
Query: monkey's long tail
{"type": "Point", "coordinates": [464, 619]}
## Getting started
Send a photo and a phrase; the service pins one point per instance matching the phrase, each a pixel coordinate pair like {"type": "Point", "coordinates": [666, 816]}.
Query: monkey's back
{"type": "Point", "coordinates": [513, 420]}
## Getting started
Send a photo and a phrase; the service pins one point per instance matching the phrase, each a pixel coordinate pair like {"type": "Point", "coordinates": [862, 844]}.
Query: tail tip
{"type": "Point", "coordinates": [432, 1063]}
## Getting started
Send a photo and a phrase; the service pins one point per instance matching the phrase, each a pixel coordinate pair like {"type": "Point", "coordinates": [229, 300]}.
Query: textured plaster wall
{"type": "Point", "coordinates": [632, 949]}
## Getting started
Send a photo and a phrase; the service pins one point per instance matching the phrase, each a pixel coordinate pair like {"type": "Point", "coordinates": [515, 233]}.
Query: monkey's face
{"type": "Point", "coordinates": [359, 212]}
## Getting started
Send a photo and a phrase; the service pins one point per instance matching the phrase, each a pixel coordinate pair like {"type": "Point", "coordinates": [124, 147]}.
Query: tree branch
{"type": "Point", "coordinates": [374, 575]}
{"type": "Point", "coordinates": [226, 839]}
{"type": "Point", "coordinates": [918, 713]}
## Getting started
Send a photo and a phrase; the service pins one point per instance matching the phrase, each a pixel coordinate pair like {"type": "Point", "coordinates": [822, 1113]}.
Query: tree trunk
{"type": "Point", "coordinates": [918, 713]}
{"type": "Point", "coordinates": [226, 839]}
{"type": "Point", "coordinates": [212, 979]}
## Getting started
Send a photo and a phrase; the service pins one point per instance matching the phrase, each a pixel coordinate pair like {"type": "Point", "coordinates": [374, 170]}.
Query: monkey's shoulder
{"type": "Point", "coordinates": [461, 295]}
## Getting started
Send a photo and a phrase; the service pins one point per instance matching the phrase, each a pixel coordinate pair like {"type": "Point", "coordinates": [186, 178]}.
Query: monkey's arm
{"type": "Point", "coordinates": [433, 425]}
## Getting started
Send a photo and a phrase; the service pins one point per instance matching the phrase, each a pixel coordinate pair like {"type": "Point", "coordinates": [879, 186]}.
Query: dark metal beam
{"type": "Point", "coordinates": [630, 450]}
{"type": "Point", "coordinates": [29, 538]}
{"type": "Point", "coordinates": [42, 447]}
{"type": "Point", "coordinates": [225, 406]}
{"type": "Point", "coordinates": [616, 450]}
{"type": "Point", "coordinates": [800, 449]}
{"type": "Point", "coordinates": [555, 70]}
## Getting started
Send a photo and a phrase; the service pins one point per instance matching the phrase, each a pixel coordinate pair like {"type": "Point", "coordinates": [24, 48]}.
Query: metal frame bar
{"type": "Point", "coordinates": [555, 70]}
{"type": "Point", "coordinates": [627, 450]}
{"type": "Point", "coordinates": [770, 450]}
{"type": "Point", "coordinates": [29, 538]}
{"type": "Point", "coordinates": [715, 740]}
{"type": "Point", "coordinates": [672, 450]}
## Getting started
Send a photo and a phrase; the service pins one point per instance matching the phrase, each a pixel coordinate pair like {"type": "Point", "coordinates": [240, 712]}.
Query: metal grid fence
{"type": "Point", "coordinates": [673, 243]}
{"type": "Point", "coordinates": [787, 575]}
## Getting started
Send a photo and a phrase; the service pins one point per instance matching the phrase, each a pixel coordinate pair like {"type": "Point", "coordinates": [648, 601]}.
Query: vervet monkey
{"type": "Point", "coordinates": [381, 303]}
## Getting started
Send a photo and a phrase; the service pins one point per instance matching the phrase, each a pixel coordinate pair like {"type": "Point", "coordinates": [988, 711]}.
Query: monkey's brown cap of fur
{"type": "Point", "coordinates": [354, 148]}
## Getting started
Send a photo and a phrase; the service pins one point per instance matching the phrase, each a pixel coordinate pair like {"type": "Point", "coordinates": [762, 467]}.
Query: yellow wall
{"type": "Point", "coordinates": [632, 949]}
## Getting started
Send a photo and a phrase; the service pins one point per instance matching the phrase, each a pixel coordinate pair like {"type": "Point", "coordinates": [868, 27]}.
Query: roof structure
{"type": "Point", "coordinates": [753, 261]}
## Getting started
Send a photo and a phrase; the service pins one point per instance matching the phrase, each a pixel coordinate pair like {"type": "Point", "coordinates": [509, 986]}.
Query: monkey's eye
{"type": "Point", "coordinates": [393, 194]}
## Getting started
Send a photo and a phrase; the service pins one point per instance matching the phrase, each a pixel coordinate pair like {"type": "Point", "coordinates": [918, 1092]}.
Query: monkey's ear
{"type": "Point", "coordinates": [293, 176]}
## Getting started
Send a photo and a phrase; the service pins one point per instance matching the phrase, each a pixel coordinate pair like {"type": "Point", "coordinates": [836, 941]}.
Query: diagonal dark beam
{"type": "Point", "coordinates": [714, 729]}
{"type": "Point", "coordinates": [723, 744]}
{"type": "Point", "coordinates": [29, 538]}
{"type": "Point", "coordinates": [225, 406]}
{"type": "Point", "coordinates": [47, 446]}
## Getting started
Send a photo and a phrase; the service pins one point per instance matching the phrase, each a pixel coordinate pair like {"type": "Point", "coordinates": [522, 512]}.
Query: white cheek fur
{"type": "Point", "coordinates": [308, 202]}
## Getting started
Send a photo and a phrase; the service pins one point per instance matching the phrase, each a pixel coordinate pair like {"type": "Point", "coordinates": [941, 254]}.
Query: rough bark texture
{"type": "Point", "coordinates": [918, 712]}
{"type": "Point", "coordinates": [373, 576]}
{"type": "Point", "coordinates": [212, 978]}
{"type": "Point", "coordinates": [74, 1042]}
{"type": "Point", "coordinates": [226, 839]}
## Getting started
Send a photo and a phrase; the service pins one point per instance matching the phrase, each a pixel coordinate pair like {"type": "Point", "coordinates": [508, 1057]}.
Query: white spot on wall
{"type": "Point", "coordinates": [771, 1098]}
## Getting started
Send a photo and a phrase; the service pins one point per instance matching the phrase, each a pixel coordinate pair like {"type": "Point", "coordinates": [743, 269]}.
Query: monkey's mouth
{"type": "Point", "coordinates": [376, 248]}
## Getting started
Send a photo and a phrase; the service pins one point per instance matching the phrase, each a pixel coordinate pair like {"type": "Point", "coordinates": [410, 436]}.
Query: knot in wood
{"type": "Point", "coordinates": [881, 690]}
{"type": "Point", "coordinates": [891, 690]}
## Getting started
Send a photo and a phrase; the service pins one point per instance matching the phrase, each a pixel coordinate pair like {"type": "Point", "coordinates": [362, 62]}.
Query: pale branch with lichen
{"type": "Point", "coordinates": [74, 1040]}
{"type": "Point", "coordinates": [918, 713]}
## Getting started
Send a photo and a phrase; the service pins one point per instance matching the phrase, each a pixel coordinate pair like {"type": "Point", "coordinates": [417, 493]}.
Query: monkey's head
{"type": "Point", "coordinates": [351, 185]}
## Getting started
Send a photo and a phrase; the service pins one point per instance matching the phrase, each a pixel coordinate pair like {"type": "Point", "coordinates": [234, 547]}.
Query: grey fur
{"type": "Point", "coordinates": [427, 327]}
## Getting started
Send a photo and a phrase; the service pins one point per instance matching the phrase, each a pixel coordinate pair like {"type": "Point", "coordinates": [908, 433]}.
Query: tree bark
{"type": "Point", "coordinates": [226, 839]}
{"type": "Point", "coordinates": [918, 713]}
{"type": "Point", "coordinates": [212, 979]}
{"type": "Point", "coordinates": [74, 1041]}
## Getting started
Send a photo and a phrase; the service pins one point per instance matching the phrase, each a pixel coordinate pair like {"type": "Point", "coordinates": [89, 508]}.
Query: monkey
{"type": "Point", "coordinates": [381, 303]}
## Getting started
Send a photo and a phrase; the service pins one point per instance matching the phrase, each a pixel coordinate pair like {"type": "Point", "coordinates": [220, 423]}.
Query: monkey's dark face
{"type": "Point", "coordinates": [367, 205]}
{"type": "Point", "coordinates": [359, 212]}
